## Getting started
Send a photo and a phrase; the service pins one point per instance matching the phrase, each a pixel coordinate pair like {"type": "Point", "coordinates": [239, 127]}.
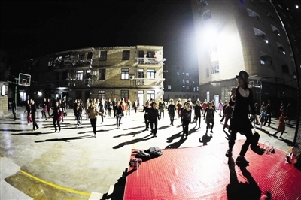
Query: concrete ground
{"type": "Point", "coordinates": [73, 164]}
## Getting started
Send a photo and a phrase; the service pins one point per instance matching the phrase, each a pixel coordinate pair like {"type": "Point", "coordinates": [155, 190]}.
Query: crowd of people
{"type": "Point", "coordinates": [237, 115]}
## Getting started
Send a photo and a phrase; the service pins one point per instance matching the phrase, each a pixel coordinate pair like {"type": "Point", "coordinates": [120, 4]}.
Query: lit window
{"type": "Point", "coordinates": [261, 35]}
{"type": "Point", "coordinates": [187, 81]}
{"type": "Point", "coordinates": [262, 62]}
{"type": "Point", "coordinates": [215, 67]}
{"type": "Point", "coordinates": [169, 87]}
{"type": "Point", "coordinates": [150, 73]}
{"type": "Point", "coordinates": [125, 74]}
{"type": "Point", "coordinates": [79, 75]}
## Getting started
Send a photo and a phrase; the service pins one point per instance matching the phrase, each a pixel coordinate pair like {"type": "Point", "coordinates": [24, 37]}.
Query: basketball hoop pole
{"type": "Point", "coordinates": [16, 90]}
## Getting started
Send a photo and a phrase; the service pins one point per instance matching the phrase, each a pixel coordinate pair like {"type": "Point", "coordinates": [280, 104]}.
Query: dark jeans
{"type": "Point", "coordinates": [118, 120]}
{"type": "Point", "coordinates": [245, 146]}
{"type": "Point", "coordinates": [198, 118]}
{"type": "Point", "coordinates": [226, 121]}
{"type": "Point", "coordinates": [15, 116]}
{"type": "Point", "coordinates": [34, 123]}
{"type": "Point", "coordinates": [186, 126]}
{"type": "Point", "coordinates": [55, 123]}
{"type": "Point", "coordinates": [44, 114]}
{"type": "Point", "coordinates": [172, 118]}
{"type": "Point", "coordinates": [78, 119]}
{"type": "Point", "coordinates": [208, 125]}
{"type": "Point", "coordinates": [93, 123]}
{"type": "Point", "coordinates": [268, 119]}
{"type": "Point", "coordinates": [161, 111]}
{"type": "Point", "coordinates": [146, 122]}
{"type": "Point", "coordinates": [153, 126]}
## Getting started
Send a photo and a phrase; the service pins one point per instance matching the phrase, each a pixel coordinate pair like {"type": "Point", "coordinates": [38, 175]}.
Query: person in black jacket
{"type": "Point", "coordinates": [14, 109]}
{"type": "Point", "coordinates": [57, 116]}
{"type": "Point", "coordinates": [186, 118]}
{"type": "Point", "coordinates": [118, 113]}
{"type": "Point", "coordinates": [171, 111]}
{"type": "Point", "coordinates": [197, 113]}
{"type": "Point", "coordinates": [242, 100]}
{"type": "Point", "coordinates": [153, 116]}
{"type": "Point", "coordinates": [33, 110]}
{"type": "Point", "coordinates": [146, 110]}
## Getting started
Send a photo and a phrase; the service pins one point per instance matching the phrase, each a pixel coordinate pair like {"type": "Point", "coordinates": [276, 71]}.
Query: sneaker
{"type": "Point", "coordinates": [241, 161]}
{"type": "Point", "coordinates": [229, 153]}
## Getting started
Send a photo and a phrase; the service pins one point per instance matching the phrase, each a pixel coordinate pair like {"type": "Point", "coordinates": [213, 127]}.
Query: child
{"type": "Point", "coordinates": [281, 125]}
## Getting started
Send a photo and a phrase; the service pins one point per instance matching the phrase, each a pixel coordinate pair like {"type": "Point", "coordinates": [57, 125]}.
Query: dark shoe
{"type": "Point", "coordinates": [229, 153]}
{"type": "Point", "coordinates": [241, 161]}
{"type": "Point", "coordinates": [257, 149]}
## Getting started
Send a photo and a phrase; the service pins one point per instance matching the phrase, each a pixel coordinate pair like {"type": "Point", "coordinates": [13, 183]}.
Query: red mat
{"type": "Point", "coordinates": [204, 173]}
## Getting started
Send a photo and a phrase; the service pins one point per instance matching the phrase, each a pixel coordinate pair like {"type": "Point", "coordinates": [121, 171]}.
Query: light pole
{"type": "Point", "coordinates": [16, 90]}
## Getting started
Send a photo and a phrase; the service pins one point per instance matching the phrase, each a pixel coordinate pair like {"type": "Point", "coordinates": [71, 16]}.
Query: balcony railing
{"type": "Point", "coordinates": [148, 61]}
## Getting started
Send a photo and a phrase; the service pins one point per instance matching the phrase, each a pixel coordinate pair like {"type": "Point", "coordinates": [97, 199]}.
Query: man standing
{"type": "Point", "coordinates": [161, 107]}
{"type": "Point", "coordinates": [268, 114]}
{"type": "Point", "coordinates": [14, 109]}
{"type": "Point", "coordinates": [33, 115]}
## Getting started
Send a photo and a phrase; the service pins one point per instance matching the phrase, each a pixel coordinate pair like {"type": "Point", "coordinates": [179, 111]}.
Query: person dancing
{"type": "Point", "coordinates": [242, 100]}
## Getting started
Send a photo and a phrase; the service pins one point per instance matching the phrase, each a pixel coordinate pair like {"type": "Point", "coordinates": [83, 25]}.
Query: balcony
{"type": "Point", "coordinates": [74, 83]}
{"type": "Point", "coordinates": [70, 63]}
{"type": "Point", "coordinates": [149, 61]}
{"type": "Point", "coordinates": [148, 81]}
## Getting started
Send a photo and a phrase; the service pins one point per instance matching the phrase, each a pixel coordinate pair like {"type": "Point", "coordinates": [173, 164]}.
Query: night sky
{"type": "Point", "coordinates": [33, 28]}
{"type": "Point", "coordinates": [40, 27]}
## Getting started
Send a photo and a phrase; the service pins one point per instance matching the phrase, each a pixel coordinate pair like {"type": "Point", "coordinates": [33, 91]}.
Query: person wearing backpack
{"type": "Point", "coordinates": [153, 116]}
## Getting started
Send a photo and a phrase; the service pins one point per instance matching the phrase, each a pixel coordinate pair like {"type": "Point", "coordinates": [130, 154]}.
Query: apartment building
{"type": "Point", "coordinates": [248, 35]}
{"type": "Point", "coordinates": [134, 72]}
{"type": "Point", "coordinates": [180, 83]}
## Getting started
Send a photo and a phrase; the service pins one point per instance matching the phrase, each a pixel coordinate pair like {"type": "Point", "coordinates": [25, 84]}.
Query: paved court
{"type": "Point", "coordinates": [74, 164]}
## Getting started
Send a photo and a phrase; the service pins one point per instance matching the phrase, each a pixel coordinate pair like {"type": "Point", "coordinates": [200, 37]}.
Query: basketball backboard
{"type": "Point", "coordinates": [24, 79]}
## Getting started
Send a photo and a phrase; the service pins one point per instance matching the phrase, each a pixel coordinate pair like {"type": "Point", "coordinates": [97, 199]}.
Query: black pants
{"type": "Point", "coordinates": [268, 119]}
{"type": "Point", "coordinates": [14, 113]}
{"type": "Point", "coordinates": [109, 112]}
{"type": "Point", "coordinates": [44, 114]}
{"type": "Point", "coordinates": [172, 118]}
{"type": "Point", "coordinates": [198, 118]}
{"type": "Point", "coordinates": [186, 126]}
{"type": "Point", "coordinates": [118, 120]}
{"type": "Point", "coordinates": [55, 123]}
{"type": "Point", "coordinates": [93, 123]}
{"type": "Point", "coordinates": [245, 146]}
{"type": "Point", "coordinates": [34, 123]}
{"type": "Point", "coordinates": [78, 119]}
{"type": "Point", "coordinates": [161, 111]}
{"type": "Point", "coordinates": [210, 124]}
{"type": "Point", "coordinates": [135, 108]}
{"type": "Point", "coordinates": [48, 111]}
{"type": "Point", "coordinates": [153, 125]}
{"type": "Point", "coordinates": [146, 122]}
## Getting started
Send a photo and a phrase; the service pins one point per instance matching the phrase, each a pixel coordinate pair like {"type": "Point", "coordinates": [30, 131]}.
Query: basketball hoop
{"type": "Point", "coordinates": [24, 79]}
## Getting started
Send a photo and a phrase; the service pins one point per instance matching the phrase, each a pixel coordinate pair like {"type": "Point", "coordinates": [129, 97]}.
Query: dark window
{"type": "Point", "coordinates": [103, 55]}
{"type": "Point", "coordinates": [140, 73]}
{"type": "Point", "coordinates": [150, 54]}
{"type": "Point", "coordinates": [89, 56]}
{"type": "Point", "coordinates": [81, 57]}
{"type": "Point", "coordinates": [126, 55]}
{"type": "Point", "coordinates": [102, 74]}
{"type": "Point", "coordinates": [124, 94]}
{"type": "Point", "coordinates": [140, 54]}
{"type": "Point", "coordinates": [284, 69]}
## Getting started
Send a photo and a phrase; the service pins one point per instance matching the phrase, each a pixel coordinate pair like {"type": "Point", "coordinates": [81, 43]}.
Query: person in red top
{"type": "Point", "coordinates": [204, 106]}
{"type": "Point", "coordinates": [281, 125]}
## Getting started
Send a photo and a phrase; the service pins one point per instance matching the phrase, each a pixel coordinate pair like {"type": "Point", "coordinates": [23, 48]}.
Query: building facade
{"type": "Point", "coordinates": [248, 35]}
{"type": "Point", "coordinates": [180, 83]}
{"type": "Point", "coordinates": [134, 73]}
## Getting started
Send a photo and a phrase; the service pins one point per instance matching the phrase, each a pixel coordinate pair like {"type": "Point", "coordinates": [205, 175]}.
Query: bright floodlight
{"type": "Point", "coordinates": [297, 6]}
{"type": "Point", "coordinates": [210, 35]}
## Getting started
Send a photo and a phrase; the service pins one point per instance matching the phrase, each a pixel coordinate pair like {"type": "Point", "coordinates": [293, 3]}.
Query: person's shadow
{"type": "Point", "coordinates": [239, 190]}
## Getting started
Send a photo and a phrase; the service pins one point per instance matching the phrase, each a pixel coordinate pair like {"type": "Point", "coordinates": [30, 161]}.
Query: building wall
{"type": "Point", "coordinates": [56, 75]}
{"type": "Point", "coordinates": [3, 101]}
